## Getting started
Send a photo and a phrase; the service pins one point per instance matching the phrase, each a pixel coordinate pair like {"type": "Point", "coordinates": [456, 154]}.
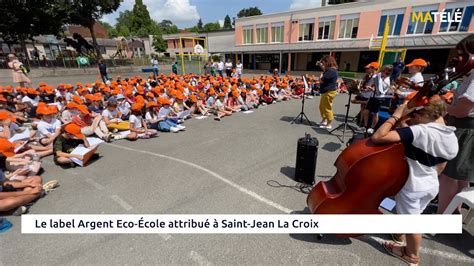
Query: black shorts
{"type": "Point", "coordinates": [361, 98]}
{"type": "Point", "coordinates": [374, 105]}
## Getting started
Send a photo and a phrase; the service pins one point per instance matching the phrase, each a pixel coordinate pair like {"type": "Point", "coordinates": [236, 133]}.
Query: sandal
{"type": "Point", "coordinates": [389, 247]}
{"type": "Point", "coordinates": [50, 186]}
{"type": "Point", "coordinates": [398, 241]}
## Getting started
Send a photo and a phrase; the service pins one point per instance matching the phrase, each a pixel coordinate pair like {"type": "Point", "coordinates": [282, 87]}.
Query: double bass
{"type": "Point", "coordinates": [367, 173]}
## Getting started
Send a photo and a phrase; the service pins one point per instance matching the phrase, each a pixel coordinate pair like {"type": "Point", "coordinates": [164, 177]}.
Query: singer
{"type": "Point", "coordinates": [328, 87]}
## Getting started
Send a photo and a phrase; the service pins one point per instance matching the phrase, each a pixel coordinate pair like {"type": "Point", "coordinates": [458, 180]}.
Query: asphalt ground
{"type": "Point", "coordinates": [236, 166]}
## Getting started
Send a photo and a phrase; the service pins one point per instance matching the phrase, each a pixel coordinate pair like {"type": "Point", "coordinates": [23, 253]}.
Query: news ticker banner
{"type": "Point", "coordinates": [240, 224]}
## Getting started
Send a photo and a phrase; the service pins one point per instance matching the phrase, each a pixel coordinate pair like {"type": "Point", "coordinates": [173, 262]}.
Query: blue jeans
{"type": "Point", "coordinates": [155, 70]}
{"type": "Point", "coordinates": [165, 126]}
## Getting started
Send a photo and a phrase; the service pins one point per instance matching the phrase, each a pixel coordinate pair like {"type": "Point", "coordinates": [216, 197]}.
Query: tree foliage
{"type": "Point", "coordinates": [87, 12]}
{"type": "Point", "coordinates": [248, 12]}
{"type": "Point", "coordinates": [199, 25]}
{"type": "Point", "coordinates": [22, 19]}
{"type": "Point", "coordinates": [227, 23]}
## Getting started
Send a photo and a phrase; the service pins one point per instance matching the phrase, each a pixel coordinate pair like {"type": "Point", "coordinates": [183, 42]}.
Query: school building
{"type": "Point", "coordinates": [295, 40]}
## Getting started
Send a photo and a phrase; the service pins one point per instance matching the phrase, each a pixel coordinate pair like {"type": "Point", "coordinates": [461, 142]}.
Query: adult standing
{"type": "Point", "coordinates": [207, 68]}
{"type": "Point", "coordinates": [228, 68]}
{"type": "Point", "coordinates": [103, 71]}
{"type": "Point", "coordinates": [398, 68]}
{"type": "Point", "coordinates": [460, 171]}
{"type": "Point", "coordinates": [154, 65]}
{"type": "Point", "coordinates": [239, 68]}
{"type": "Point", "coordinates": [328, 87]}
{"type": "Point", "coordinates": [220, 68]}
{"type": "Point", "coordinates": [18, 71]}
{"type": "Point", "coordinates": [174, 68]}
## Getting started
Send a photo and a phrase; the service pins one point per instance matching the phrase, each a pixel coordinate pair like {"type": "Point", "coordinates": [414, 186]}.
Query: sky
{"type": "Point", "coordinates": [186, 13]}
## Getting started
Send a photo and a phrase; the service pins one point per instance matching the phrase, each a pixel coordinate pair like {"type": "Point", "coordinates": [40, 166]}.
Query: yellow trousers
{"type": "Point", "coordinates": [122, 126]}
{"type": "Point", "coordinates": [325, 105]}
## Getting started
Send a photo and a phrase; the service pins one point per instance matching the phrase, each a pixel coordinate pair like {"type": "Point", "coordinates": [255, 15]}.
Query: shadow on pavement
{"type": "Point", "coordinates": [290, 119]}
{"type": "Point", "coordinates": [459, 242]}
{"type": "Point", "coordinates": [332, 146]}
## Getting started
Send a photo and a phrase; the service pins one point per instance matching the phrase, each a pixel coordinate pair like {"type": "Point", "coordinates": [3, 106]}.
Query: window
{"type": "Point", "coordinates": [262, 34]}
{"type": "Point", "coordinates": [417, 25]}
{"type": "Point", "coordinates": [451, 25]}
{"type": "Point", "coordinates": [306, 30]}
{"type": "Point", "coordinates": [326, 30]}
{"type": "Point", "coordinates": [277, 32]}
{"type": "Point", "coordinates": [248, 35]}
{"type": "Point", "coordinates": [394, 24]}
{"type": "Point", "coordinates": [348, 28]}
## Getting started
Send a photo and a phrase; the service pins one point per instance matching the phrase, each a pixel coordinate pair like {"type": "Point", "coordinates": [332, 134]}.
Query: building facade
{"type": "Point", "coordinates": [295, 40]}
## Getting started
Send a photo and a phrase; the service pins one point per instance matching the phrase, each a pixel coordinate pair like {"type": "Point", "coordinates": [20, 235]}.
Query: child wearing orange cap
{"type": "Point", "coordinates": [49, 128]}
{"type": "Point", "coordinates": [66, 142]}
{"type": "Point", "coordinates": [168, 115]}
{"type": "Point", "coordinates": [415, 68]}
{"type": "Point", "coordinates": [154, 122]}
{"type": "Point", "coordinates": [91, 125]}
{"type": "Point", "coordinates": [138, 126]}
{"type": "Point", "coordinates": [220, 108]}
{"type": "Point", "coordinates": [231, 102]}
{"type": "Point", "coordinates": [112, 117]}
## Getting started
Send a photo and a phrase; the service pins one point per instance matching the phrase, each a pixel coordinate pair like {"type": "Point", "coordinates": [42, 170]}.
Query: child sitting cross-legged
{"type": "Point", "coordinates": [138, 126]}
{"type": "Point", "coordinates": [65, 143]}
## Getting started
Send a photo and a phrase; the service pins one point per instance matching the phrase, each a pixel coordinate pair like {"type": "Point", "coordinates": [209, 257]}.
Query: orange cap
{"type": "Point", "coordinates": [165, 101]}
{"type": "Point", "coordinates": [74, 130]}
{"type": "Point", "coordinates": [77, 99]}
{"type": "Point", "coordinates": [137, 107]}
{"type": "Point", "coordinates": [221, 94]}
{"type": "Point", "coordinates": [373, 65]}
{"type": "Point", "coordinates": [418, 62]}
{"type": "Point", "coordinates": [151, 104]}
{"type": "Point", "coordinates": [32, 91]}
{"type": "Point", "coordinates": [71, 105]}
{"type": "Point", "coordinates": [193, 98]}
{"type": "Point", "coordinates": [5, 115]}
{"type": "Point", "coordinates": [83, 109]}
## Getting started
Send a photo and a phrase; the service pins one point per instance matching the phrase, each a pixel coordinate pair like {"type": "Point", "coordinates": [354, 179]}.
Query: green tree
{"type": "Point", "coordinates": [213, 26]}
{"type": "Point", "coordinates": [248, 12]}
{"type": "Point", "coordinates": [124, 23]}
{"type": "Point", "coordinates": [22, 19]}
{"type": "Point", "coordinates": [111, 31]}
{"type": "Point", "coordinates": [159, 44]}
{"type": "Point", "coordinates": [227, 23]}
{"type": "Point", "coordinates": [167, 27]}
{"type": "Point", "coordinates": [87, 12]}
{"type": "Point", "coordinates": [199, 25]}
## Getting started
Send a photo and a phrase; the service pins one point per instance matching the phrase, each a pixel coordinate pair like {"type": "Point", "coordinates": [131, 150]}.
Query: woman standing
{"type": "Point", "coordinates": [460, 171]}
{"type": "Point", "coordinates": [17, 73]}
{"type": "Point", "coordinates": [328, 89]}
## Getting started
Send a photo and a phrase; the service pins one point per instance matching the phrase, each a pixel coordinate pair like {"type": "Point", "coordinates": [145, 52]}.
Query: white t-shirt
{"type": "Point", "coordinates": [465, 90]}
{"type": "Point", "coordinates": [149, 117]}
{"type": "Point", "coordinates": [45, 129]}
{"type": "Point", "coordinates": [239, 68]}
{"type": "Point", "coordinates": [381, 85]}
{"type": "Point", "coordinates": [220, 104]}
{"type": "Point", "coordinates": [33, 102]}
{"type": "Point", "coordinates": [426, 145]}
{"type": "Point", "coordinates": [135, 121]}
{"type": "Point", "coordinates": [154, 62]}
{"type": "Point", "coordinates": [220, 66]}
{"type": "Point", "coordinates": [228, 65]}
{"type": "Point", "coordinates": [164, 112]}
{"type": "Point", "coordinates": [124, 108]}
{"type": "Point", "coordinates": [417, 79]}
{"type": "Point", "coordinates": [110, 115]}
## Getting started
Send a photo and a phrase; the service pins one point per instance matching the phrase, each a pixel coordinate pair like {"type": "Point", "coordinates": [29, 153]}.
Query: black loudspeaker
{"type": "Point", "coordinates": [306, 156]}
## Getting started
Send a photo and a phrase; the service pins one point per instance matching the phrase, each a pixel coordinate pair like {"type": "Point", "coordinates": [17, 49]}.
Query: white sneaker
{"type": "Point", "coordinates": [180, 127]}
{"type": "Point", "coordinates": [328, 126]}
{"type": "Point", "coordinates": [180, 121]}
{"type": "Point", "coordinates": [174, 129]}
{"type": "Point", "coordinates": [370, 131]}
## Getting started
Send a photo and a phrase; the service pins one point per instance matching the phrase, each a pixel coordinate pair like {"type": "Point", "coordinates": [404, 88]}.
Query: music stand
{"type": "Point", "coordinates": [352, 87]}
{"type": "Point", "coordinates": [302, 115]}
